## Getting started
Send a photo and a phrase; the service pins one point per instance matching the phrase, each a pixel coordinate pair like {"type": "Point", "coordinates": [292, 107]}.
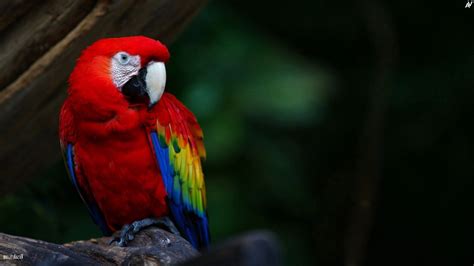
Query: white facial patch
{"type": "Point", "coordinates": [123, 67]}
{"type": "Point", "coordinates": [155, 81]}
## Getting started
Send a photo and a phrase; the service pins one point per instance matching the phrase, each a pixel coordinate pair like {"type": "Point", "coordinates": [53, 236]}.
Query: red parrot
{"type": "Point", "coordinates": [133, 152]}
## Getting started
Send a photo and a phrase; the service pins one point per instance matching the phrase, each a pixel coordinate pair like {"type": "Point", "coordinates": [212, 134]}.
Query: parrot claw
{"type": "Point", "coordinates": [128, 231]}
{"type": "Point", "coordinates": [126, 234]}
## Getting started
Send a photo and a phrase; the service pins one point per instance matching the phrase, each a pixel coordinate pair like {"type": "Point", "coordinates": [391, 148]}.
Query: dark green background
{"type": "Point", "coordinates": [283, 90]}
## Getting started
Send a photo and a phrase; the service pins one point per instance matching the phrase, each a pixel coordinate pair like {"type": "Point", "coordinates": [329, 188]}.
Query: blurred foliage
{"type": "Point", "coordinates": [282, 95]}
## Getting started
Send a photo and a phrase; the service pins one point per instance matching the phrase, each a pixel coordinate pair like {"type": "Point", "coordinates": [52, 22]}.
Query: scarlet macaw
{"type": "Point", "coordinates": [132, 151]}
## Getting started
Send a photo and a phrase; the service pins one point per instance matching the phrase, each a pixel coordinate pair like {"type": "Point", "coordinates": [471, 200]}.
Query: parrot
{"type": "Point", "coordinates": [132, 151]}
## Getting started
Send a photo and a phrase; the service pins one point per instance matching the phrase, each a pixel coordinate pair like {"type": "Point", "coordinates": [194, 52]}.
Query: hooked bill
{"type": "Point", "coordinates": [155, 81]}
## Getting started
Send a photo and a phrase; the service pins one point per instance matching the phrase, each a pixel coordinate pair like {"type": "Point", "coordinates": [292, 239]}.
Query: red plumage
{"type": "Point", "coordinates": [115, 165]}
{"type": "Point", "coordinates": [115, 155]}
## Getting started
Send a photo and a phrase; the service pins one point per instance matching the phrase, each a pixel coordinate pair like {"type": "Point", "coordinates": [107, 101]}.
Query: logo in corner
{"type": "Point", "coordinates": [468, 4]}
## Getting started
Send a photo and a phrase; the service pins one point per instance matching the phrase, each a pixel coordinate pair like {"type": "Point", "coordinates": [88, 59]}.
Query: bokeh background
{"type": "Point", "coordinates": [343, 127]}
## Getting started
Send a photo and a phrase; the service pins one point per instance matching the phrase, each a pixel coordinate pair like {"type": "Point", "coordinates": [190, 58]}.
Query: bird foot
{"type": "Point", "coordinates": [129, 231]}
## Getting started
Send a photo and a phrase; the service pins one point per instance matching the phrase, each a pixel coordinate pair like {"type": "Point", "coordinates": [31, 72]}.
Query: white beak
{"type": "Point", "coordinates": [155, 81]}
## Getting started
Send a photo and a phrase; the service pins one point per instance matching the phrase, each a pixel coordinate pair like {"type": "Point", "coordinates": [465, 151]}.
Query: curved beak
{"type": "Point", "coordinates": [148, 84]}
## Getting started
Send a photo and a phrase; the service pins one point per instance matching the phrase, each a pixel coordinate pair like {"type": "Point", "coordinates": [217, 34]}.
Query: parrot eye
{"type": "Point", "coordinates": [123, 58]}
{"type": "Point", "coordinates": [123, 67]}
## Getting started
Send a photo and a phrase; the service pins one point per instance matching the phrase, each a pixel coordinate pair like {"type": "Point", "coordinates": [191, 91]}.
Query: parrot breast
{"type": "Point", "coordinates": [119, 168]}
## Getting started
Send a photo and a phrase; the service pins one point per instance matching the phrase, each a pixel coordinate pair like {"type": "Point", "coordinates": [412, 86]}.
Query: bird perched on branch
{"type": "Point", "coordinates": [132, 151]}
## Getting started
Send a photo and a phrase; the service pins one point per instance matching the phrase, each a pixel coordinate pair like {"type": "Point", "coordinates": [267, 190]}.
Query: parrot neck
{"type": "Point", "coordinates": [107, 120]}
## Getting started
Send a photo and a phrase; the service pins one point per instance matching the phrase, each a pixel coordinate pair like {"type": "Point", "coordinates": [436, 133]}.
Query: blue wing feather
{"type": "Point", "coordinates": [193, 227]}
{"type": "Point", "coordinates": [92, 207]}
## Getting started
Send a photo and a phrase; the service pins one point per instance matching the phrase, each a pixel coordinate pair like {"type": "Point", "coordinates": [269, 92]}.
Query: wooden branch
{"type": "Point", "coordinates": [152, 246]}
{"type": "Point", "coordinates": [38, 49]}
{"type": "Point", "coordinates": [259, 248]}
{"type": "Point", "coordinates": [371, 143]}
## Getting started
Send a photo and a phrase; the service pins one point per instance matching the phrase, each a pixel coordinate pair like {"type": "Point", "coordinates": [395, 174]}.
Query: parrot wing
{"type": "Point", "coordinates": [66, 132]}
{"type": "Point", "coordinates": [177, 140]}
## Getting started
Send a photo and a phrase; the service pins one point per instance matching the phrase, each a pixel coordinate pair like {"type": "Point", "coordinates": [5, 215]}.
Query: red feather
{"type": "Point", "coordinates": [116, 166]}
{"type": "Point", "coordinates": [115, 163]}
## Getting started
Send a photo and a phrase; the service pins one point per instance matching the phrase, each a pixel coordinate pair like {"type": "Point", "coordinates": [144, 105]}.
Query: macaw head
{"type": "Point", "coordinates": [127, 70]}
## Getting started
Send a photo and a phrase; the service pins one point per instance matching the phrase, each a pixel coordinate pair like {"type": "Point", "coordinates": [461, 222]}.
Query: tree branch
{"type": "Point", "coordinates": [371, 142]}
{"type": "Point", "coordinates": [151, 246]}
